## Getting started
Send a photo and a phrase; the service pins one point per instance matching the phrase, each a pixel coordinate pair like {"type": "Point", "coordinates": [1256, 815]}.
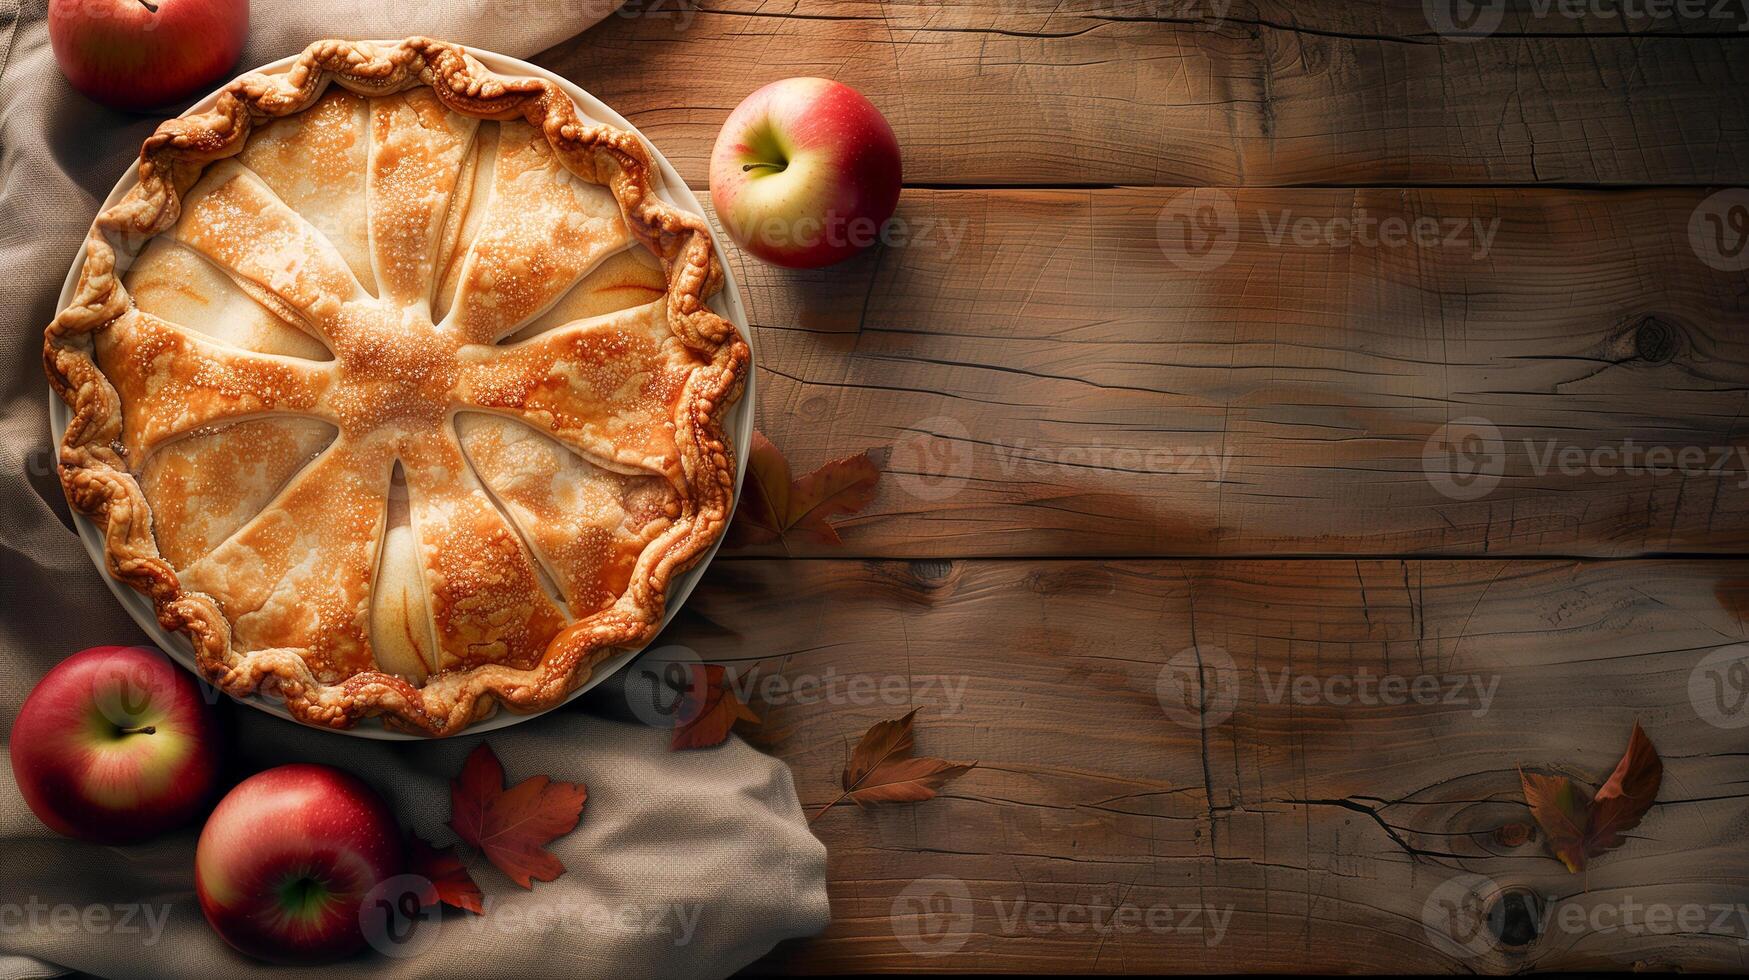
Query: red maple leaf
{"type": "Point", "coordinates": [773, 502]}
{"type": "Point", "coordinates": [450, 882]}
{"type": "Point", "coordinates": [513, 826]}
{"type": "Point", "coordinates": [709, 708]}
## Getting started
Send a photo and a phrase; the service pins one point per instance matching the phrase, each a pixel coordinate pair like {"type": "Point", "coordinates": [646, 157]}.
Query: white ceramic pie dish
{"type": "Point", "coordinates": [726, 303]}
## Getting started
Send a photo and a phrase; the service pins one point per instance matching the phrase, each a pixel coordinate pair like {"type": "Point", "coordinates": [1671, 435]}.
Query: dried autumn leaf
{"type": "Point", "coordinates": [450, 882]}
{"type": "Point", "coordinates": [709, 708]}
{"type": "Point", "coordinates": [885, 740]}
{"type": "Point", "coordinates": [906, 781]}
{"type": "Point", "coordinates": [773, 502]}
{"type": "Point", "coordinates": [1578, 827]}
{"type": "Point", "coordinates": [760, 516]}
{"type": "Point", "coordinates": [1562, 811]}
{"type": "Point", "coordinates": [513, 826]}
{"type": "Point", "coordinates": [843, 486]}
{"type": "Point", "coordinates": [1627, 794]}
{"type": "Point", "coordinates": [882, 769]}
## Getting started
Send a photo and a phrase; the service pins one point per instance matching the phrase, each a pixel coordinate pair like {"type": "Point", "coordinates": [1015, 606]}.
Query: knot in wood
{"type": "Point", "coordinates": [1655, 341]}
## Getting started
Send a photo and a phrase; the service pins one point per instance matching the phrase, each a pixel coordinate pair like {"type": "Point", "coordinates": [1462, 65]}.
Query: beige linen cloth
{"type": "Point", "coordinates": [684, 865]}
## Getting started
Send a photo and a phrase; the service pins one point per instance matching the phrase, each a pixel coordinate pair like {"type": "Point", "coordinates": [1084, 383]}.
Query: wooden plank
{"type": "Point", "coordinates": [1432, 21]}
{"type": "Point", "coordinates": [1145, 92]}
{"type": "Point", "coordinates": [1327, 834]}
{"type": "Point", "coordinates": [1403, 21]}
{"type": "Point", "coordinates": [1056, 375]}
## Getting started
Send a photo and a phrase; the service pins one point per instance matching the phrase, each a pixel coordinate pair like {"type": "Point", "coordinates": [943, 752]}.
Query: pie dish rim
{"type": "Point", "coordinates": [736, 419]}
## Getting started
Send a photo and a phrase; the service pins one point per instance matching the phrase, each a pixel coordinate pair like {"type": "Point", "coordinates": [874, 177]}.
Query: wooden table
{"type": "Point", "coordinates": [1159, 509]}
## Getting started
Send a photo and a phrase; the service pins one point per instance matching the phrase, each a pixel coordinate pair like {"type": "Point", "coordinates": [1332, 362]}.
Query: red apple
{"type": "Point", "coordinates": [287, 859]}
{"type": "Point", "coordinates": [139, 54]}
{"type": "Point", "coordinates": [805, 173]}
{"type": "Point", "coordinates": [116, 744]}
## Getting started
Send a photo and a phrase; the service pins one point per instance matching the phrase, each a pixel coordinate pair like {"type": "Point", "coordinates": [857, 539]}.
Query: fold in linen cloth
{"type": "Point", "coordinates": [689, 864]}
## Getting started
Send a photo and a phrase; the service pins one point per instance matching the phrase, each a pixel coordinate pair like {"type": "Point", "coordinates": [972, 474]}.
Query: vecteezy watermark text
{"type": "Point", "coordinates": [66, 919]}
{"type": "Point", "coordinates": [1363, 687]}
{"type": "Point", "coordinates": [935, 916]}
{"type": "Point", "coordinates": [1465, 459]}
{"type": "Point", "coordinates": [1198, 230]}
{"type": "Point", "coordinates": [665, 683]}
{"type": "Point", "coordinates": [935, 458]}
{"type": "Point", "coordinates": [1471, 915]}
{"type": "Point", "coordinates": [1022, 916]}
{"type": "Point", "coordinates": [399, 921]}
{"type": "Point", "coordinates": [840, 231]}
{"type": "Point", "coordinates": [1473, 20]}
{"type": "Point", "coordinates": [1199, 687]}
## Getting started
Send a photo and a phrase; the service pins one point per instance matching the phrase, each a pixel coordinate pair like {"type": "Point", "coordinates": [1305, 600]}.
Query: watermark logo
{"type": "Point", "coordinates": [1198, 687]}
{"type": "Point", "coordinates": [398, 918]}
{"type": "Point", "coordinates": [1718, 687]}
{"type": "Point", "coordinates": [1718, 230]}
{"type": "Point", "coordinates": [664, 687]}
{"type": "Point", "coordinates": [932, 460]}
{"type": "Point", "coordinates": [123, 689]}
{"type": "Point", "coordinates": [1465, 458]}
{"type": "Point", "coordinates": [1363, 687]}
{"type": "Point", "coordinates": [668, 687]}
{"type": "Point", "coordinates": [1198, 229]}
{"type": "Point", "coordinates": [1209, 15]}
{"type": "Point", "coordinates": [1464, 20]}
{"type": "Point", "coordinates": [1365, 230]}
{"type": "Point", "coordinates": [1099, 917]}
{"type": "Point", "coordinates": [933, 916]}
{"type": "Point", "coordinates": [36, 917]}
{"type": "Point", "coordinates": [1455, 916]}
{"type": "Point", "coordinates": [1021, 456]}
{"type": "Point", "coordinates": [839, 231]}
{"type": "Point", "coordinates": [1472, 20]}
{"type": "Point", "coordinates": [1471, 915]}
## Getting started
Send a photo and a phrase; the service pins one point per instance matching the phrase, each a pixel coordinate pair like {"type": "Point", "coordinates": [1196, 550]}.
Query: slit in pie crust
{"type": "Point", "coordinates": [395, 389]}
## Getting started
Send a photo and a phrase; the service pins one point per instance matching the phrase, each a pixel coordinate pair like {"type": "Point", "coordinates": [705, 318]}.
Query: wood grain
{"type": "Point", "coordinates": [1323, 829]}
{"type": "Point", "coordinates": [1177, 92]}
{"type": "Point", "coordinates": [1053, 370]}
{"type": "Point", "coordinates": [1058, 382]}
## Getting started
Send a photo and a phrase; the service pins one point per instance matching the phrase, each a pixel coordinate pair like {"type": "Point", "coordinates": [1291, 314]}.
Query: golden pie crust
{"type": "Point", "coordinates": [394, 388]}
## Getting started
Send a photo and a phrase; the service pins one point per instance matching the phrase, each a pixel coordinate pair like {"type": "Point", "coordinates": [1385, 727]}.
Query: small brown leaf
{"type": "Point", "coordinates": [773, 502]}
{"type": "Point", "coordinates": [843, 486]}
{"type": "Point", "coordinates": [885, 740]}
{"type": "Point", "coordinates": [450, 882]}
{"type": "Point", "coordinates": [1578, 828]}
{"type": "Point", "coordinates": [1627, 794]}
{"type": "Point", "coordinates": [882, 769]}
{"type": "Point", "coordinates": [513, 826]}
{"type": "Point", "coordinates": [1560, 809]}
{"type": "Point", "coordinates": [761, 516]}
{"type": "Point", "coordinates": [906, 781]}
{"type": "Point", "coordinates": [709, 708]}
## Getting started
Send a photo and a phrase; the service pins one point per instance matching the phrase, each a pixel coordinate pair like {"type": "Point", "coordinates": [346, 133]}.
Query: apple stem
{"type": "Point", "coordinates": [142, 730]}
{"type": "Point", "coordinates": [151, 7]}
{"type": "Point", "coordinates": [755, 166]}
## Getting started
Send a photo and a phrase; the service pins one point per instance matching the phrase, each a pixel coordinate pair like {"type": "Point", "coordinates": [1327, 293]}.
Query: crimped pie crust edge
{"type": "Point", "coordinates": [98, 484]}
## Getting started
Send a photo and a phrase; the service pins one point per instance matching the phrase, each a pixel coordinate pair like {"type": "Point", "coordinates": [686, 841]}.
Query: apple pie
{"type": "Point", "coordinates": [395, 388]}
